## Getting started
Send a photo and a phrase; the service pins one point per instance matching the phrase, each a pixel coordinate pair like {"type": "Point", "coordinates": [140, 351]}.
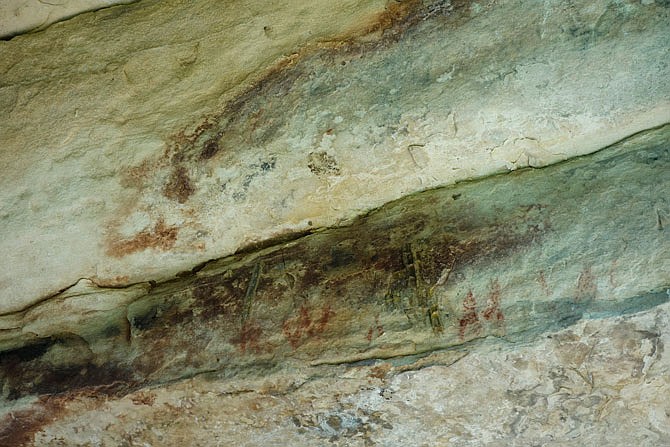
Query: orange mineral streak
{"type": "Point", "coordinates": [160, 237]}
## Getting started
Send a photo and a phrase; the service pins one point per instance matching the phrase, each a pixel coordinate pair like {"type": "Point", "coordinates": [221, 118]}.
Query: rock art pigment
{"type": "Point", "coordinates": [360, 224]}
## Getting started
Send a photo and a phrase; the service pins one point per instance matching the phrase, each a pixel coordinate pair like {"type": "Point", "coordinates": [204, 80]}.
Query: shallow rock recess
{"type": "Point", "coordinates": [142, 140]}
{"type": "Point", "coordinates": [347, 223]}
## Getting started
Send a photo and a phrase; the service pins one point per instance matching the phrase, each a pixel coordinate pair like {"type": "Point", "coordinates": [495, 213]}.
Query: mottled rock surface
{"type": "Point", "coordinates": [179, 141]}
{"type": "Point", "coordinates": [600, 382]}
{"type": "Point", "coordinates": [22, 16]}
{"type": "Point", "coordinates": [352, 223]}
{"type": "Point", "coordinates": [485, 267]}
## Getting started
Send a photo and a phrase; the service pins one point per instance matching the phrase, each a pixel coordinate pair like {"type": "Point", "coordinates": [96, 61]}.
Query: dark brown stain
{"type": "Point", "coordinates": [469, 321]}
{"type": "Point", "coordinates": [248, 339]}
{"type": "Point", "coordinates": [160, 237]}
{"type": "Point", "coordinates": [222, 295]}
{"type": "Point", "coordinates": [24, 373]}
{"type": "Point", "coordinates": [179, 185]}
{"type": "Point", "coordinates": [385, 262]}
{"type": "Point", "coordinates": [209, 149]}
{"type": "Point", "coordinates": [308, 323]}
{"type": "Point", "coordinates": [18, 428]}
{"type": "Point", "coordinates": [106, 379]}
{"type": "Point", "coordinates": [241, 120]}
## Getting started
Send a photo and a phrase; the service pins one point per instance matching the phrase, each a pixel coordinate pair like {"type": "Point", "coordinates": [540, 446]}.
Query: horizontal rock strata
{"type": "Point", "coordinates": [356, 223]}
{"type": "Point", "coordinates": [599, 382]}
{"type": "Point", "coordinates": [140, 156]}
{"type": "Point", "coordinates": [22, 16]}
{"type": "Point", "coordinates": [510, 257]}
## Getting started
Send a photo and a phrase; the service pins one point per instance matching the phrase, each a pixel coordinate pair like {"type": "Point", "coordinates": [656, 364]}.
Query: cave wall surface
{"type": "Point", "coordinates": [355, 223]}
{"type": "Point", "coordinates": [24, 16]}
{"type": "Point", "coordinates": [137, 144]}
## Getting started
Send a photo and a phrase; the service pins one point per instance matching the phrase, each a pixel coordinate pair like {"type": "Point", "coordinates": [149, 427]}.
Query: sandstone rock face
{"type": "Point", "coordinates": [163, 148]}
{"type": "Point", "coordinates": [600, 382]}
{"type": "Point", "coordinates": [361, 223]}
{"type": "Point", "coordinates": [21, 16]}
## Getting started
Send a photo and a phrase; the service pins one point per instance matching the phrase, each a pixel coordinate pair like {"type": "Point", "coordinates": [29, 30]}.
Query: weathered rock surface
{"type": "Point", "coordinates": [21, 16]}
{"type": "Point", "coordinates": [298, 224]}
{"type": "Point", "coordinates": [505, 259]}
{"type": "Point", "coordinates": [138, 157]}
{"type": "Point", "coordinates": [600, 382]}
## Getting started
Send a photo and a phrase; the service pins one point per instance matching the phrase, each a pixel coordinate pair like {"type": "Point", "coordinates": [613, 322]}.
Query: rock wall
{"type": "Point", "coordinates": [288, 223]}
{"type": "Point", "coordinates": [23, 16]}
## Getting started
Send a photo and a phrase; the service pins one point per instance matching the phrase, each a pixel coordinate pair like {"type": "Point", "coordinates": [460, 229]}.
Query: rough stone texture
{"type": "Point", "coordinates": [221, 227]}
{"type": "Point", "coordinates": [600, 382]}
{"type": "Point", "coordinates": [21, 16]}
{"type": "Point", "coordinates": [154, 159]}
{"type": "Point", "coordinates": [433, 269]}
{"type": "Point", "coordinates": [419, 282]}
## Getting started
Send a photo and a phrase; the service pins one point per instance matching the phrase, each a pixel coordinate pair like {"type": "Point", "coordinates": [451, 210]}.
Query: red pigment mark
{"type": "Point", "coordinates": [19, 427]}
{"type": "Point", "coordinates": [161, 237]}
{"type": "Point", "coordinates": [586, 285]}
{"type": "Point", "coordinates": [470, 317]}
{"type": "Point", "coordinates": [493, 311]}
{"type": "Point", "coordinates": [326, 313]}
{"type": "Point", "coordinates": [293, 328]}
{"type": "Point", "coordinates": [376, 328]}
{"type": "Point", "coordinates": [179, 186]}
{"type": "Point", "coordinates": [304, 325]}
{"type": "Point", "coordinates": [543, 283]}
{"type": "Point", "coordinates": [248, 337]}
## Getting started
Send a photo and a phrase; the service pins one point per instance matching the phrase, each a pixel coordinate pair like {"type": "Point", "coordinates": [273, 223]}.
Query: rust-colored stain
{"type": "Point", "coordinates": [493, 312]}
{"type": "Point", "coordinates": [249, 338]}
{"type": "Point", "coordinates": [393, 16]}
{"type": "Point", "coordinates": [307, 324]}
{"type": "Point", "coordinates": [470, 319]}
{"type": "Point", "coordinates": [139, 176]}
{"type": "Point", "coordinates": [377, 330]}
{"type": "Point", "coordinates": [179, 186]}
{"type": "Point", "coordinates": [115, 281]}
{"type": "Point", "coordinates": [18, 428]}
{"type": "Point", "coordinates": [160, 237]}
{"type": "Point", "coordinates": [380, 371]}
